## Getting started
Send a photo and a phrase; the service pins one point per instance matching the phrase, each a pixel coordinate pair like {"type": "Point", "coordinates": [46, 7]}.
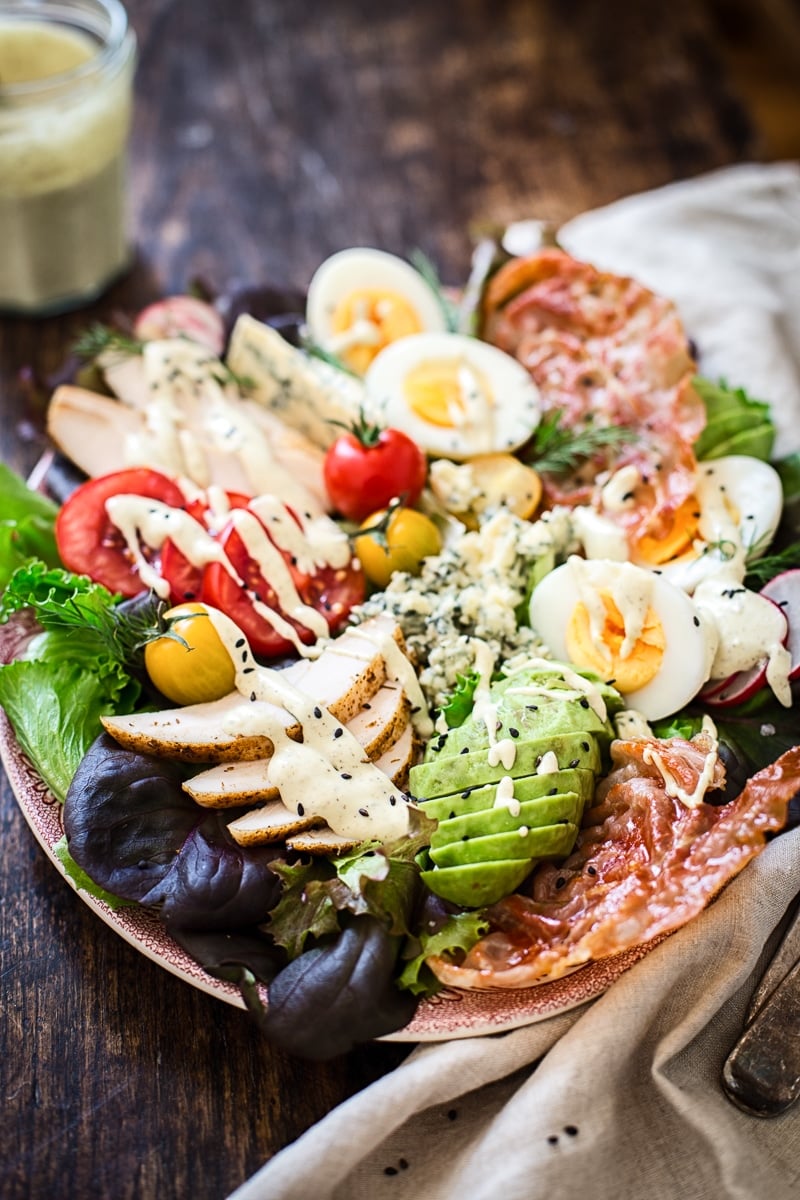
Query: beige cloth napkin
{"type": "Point", "coordinates": [620, 1098]}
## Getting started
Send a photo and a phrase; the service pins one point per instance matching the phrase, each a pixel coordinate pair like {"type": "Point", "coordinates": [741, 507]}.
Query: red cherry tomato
{"type": "Point", "coordinates": [90, 544]}
{"type": "Point", "coordinates": [333, 592]}
{"type": "Point", "coordinates": [363, 474]}
{"type": "Point", "coordinates": [185, 578]}
{"type": "Point", "coordinates": [182, 316]}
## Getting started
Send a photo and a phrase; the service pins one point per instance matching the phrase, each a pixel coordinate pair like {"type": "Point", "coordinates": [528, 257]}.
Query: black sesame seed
{"type": "Point", "coordinates": [571, 1130]}
{"type": "Point", "coordinates": [402, 1164]}
{"type": "Point", "coordinates": [366, 705]}
{"type": "Point", "coordinates": [248, 670]}
{"type": "Point", "coordinates": [252, 697]}
{"type": "Point", "coordinates": [238, 644]}
{"type": "Point", "coordinates": [362, 812]}
{"type": "Point", "coordinates": [585, 747]}
{"type": "Point", "coordinates": [552, 1141]}
{"type": "Point", "coordinates": [514, 733]}
{"type": "Point", "coordinates": [592, 870]}
{"type": "Point", "coordinates": [464, 751]}
{"type": "Point", "coordinates": [553, 791]}
{"type": "Point", "coordinates": [346, 776]}
{"type": "Point", "coordinates": [390, 1170]}
{"type": "Point", "coordinates": [532, 707]}
{"type": "Point", "coordinates": [244, 656]}
{"type": "Point", "coordinates": [575, 762]}
{"type": "Point", "coordinates": [466, 793]}
{"type": "Point", "coordinates": [465, 838]}
{"type": "Point", "coordinates": [696, 621]}
{"type": "Point", "coordinates": [452, 1114]}
{"type": "Point", "coordinates": [560, 882]}
{"type": "Point", "coordinates": [337, 733]}
{"type": "Point", "coordinates": [301, 812]}
{"type": "Point", "coordinates": [584, 703]}
{"type": "Point", "coordinates": [317, 712]}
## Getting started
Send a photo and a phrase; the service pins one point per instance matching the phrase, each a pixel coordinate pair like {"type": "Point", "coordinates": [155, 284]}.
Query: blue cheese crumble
{"type": "Point", "coordinates": [472, 590]}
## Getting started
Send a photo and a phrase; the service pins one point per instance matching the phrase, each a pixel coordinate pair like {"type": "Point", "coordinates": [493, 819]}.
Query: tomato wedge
{"type": "Point", "coordinates": [90, 544]}
{"type": "Point", "coordinates": [333, 592]}
{"type": "Point", "coordinates": [184, 577]}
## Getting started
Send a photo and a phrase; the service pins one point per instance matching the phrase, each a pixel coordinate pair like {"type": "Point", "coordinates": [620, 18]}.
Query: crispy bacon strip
{"type": "Point", "coordinates": [603, 347]}
{"type": "Point", "coordinates": [644, 865]}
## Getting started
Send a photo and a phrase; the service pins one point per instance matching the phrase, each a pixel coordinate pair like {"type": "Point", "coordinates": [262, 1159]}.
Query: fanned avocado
{"type": "Point", "coordinates": [533, 703]}
{"type": "Point", "coordinates": [484, 846]}
{"type": "Point", "coordinates": [448, 775]}
{"type": "Point", "coordinates": [521, 843]}
{"type": "Point", "coordinates": [567, 807]}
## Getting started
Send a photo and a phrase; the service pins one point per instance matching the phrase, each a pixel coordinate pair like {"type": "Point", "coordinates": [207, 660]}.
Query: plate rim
{"type": "Point", "coordinates": [490, 1011]}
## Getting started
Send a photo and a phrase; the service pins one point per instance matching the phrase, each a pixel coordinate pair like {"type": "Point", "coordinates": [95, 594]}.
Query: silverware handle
{"type": "Point", "coordinates": [762, 1073]}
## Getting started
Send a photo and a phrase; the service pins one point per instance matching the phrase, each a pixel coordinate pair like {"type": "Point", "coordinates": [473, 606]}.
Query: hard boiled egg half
{"type": "Point", "coordinates": [731, 517]}
{"type": "Point", "coordinates": [455, 396]}
{"type": "Point", "coordinates": [630, 626]}
{"type": "Point", "coordinates": [361, 300]}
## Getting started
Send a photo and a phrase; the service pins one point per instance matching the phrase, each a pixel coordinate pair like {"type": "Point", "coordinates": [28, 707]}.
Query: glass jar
{"type": "Point", "coordinates": [66, 71]}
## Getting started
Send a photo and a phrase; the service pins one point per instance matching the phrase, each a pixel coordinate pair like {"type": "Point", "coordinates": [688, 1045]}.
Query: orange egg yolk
{"type": "Point", "coordinates": [383, 316]}
{"type": "Point", "coordinates": [435, 391]}
{"type": "Point", "coordinates": [629, 673]}
{"type": "Point", "coordinates": [678, 538]}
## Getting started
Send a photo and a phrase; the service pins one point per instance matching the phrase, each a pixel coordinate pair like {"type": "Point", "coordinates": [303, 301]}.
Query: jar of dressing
{"type": "Point", "coordinates": [66, 70]}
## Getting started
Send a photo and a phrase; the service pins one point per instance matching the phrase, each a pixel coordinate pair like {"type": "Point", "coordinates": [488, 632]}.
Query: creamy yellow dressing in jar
{"type": "Point", "coordinates": [66, 68]}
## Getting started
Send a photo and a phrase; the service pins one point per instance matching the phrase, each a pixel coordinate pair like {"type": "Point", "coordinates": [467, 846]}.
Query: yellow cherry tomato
{"type": "Point", "coordinates": [194, 673]}
{"type": "Point", "coordinates": [409, 537]}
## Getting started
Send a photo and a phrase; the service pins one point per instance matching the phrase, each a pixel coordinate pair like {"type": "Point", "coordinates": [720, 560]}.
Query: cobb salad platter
{"type": "Point", "coordinates": [409, 665]}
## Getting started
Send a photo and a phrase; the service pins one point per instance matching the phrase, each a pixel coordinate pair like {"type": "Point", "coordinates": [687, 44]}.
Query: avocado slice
{"type": "Point", "coordinates": [477, 884]}
{"type": "Point", "coordinates": [544, 842]}
{"type": "Point", "coordinates": [542, 717]}
{"type": "Point", "coordinates": [448, 775]}
{"type": "Point", "coordinates": [533, 814]}
{"type": "Point", "coordinates": [530, 787]}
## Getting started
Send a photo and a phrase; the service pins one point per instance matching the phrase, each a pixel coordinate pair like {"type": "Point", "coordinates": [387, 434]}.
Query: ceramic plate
{"type": "Point", "coordinates": [450, 1014]}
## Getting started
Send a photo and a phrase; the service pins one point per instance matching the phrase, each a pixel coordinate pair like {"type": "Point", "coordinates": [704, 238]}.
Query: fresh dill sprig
{"type": "Point", "coordinates": [223, 374]}
{"type": "Point", "coordinates": [427, 269]}
{"type": "Point", "coordinates": [100, 338]}
{"type": "Point", "coordinates": [761, 570]}
{"type": "Point", "coordinates": [555, 448]}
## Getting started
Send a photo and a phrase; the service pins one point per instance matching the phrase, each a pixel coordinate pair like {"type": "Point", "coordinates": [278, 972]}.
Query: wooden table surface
{"type": "Point", "coordinates": [267, 135]}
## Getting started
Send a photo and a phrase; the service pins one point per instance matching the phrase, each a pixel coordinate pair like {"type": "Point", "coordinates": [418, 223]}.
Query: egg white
{"type": "Point", "coordinates": [690, 637]}
{"type": "Point", "coordinates": [512, 413]}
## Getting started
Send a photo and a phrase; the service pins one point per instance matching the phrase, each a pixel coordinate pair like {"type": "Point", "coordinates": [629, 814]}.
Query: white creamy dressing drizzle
{"type": "Point", "coordinates": [191, 414]}
{"type": "Point", "coordinates": [474, 414]}
{"type": "Point", "coordinates": [751, 629]}
{"type": "Point", "coordinates": [484, 710]}
{"type": "Point", "coordinates": [504, 796]}
{"type": "Point", "coordinates": [361, 332]}
{"type": "Point", "coordinates": [617, 494]}
{"type": "Point", "coordinates": [673, 788]}
{"type": "Point", "coordinates": [548, 763]}
{"type": "Point", "coordinates": [577, 686]}
{"type": "Point", "coordinates": [631, 725]}
{"type": "Point", "coordinates": [327, 774]}
{"type": "Point", "coordinates": [399, 670]}
{"type": "Point", "coordinates": [630, 588]}
{"type": "Point", "coordinates": [315, 543]}
{"type": "Point", "coordinates": [599, 535]}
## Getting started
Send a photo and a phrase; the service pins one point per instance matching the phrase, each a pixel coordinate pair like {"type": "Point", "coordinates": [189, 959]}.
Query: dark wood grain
{"type": "Point", "coordinates": [266, 135]}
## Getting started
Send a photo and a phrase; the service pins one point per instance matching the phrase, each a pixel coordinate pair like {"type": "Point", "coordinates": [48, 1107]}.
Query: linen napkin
{"type": "Point", "coordinates": [622, 1096]}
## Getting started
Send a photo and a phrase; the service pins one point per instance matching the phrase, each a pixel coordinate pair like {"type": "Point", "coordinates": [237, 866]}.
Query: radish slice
{"type": "Point", "coordinates": [182, 316]}
{"type": "Point", "coordinates": [738, 688]}
{"type": "Point", "coordinates": [784, 590]}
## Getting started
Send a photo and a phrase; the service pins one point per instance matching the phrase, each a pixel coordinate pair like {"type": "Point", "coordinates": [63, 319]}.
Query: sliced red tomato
{"type": "Point", "coordinates": [185, 578]}
{"type": "Point", "coordinates": [90, 544]}
{"type": "Point", "coordinates": [332, 591]}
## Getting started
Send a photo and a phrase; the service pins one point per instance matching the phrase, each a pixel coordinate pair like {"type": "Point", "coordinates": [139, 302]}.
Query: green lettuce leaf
{"type": "Point", "coordinates": [458, 705]}
{"type": "Point", "coordinates": [26, 525]}
{"type": "Point", "coordinates": [82, 881]}
{"type": "Point", "coordinates": [458, 934]}
{"type": "Point", "coordinates": [55, 709]}
{"type": "Point", "coordinates": [735, 422]}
